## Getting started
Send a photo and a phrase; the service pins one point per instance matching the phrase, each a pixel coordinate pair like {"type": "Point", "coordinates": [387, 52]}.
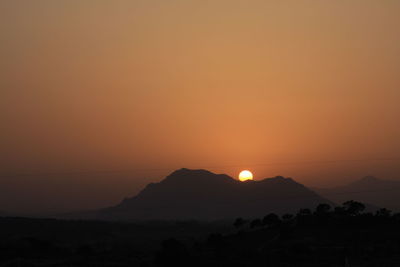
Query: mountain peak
{"type": "Point", "coordinates": [201, 194]}
{"type": "Point", "coordinates": [186, 171]}
{"type": "Point", "coordinates": [279, 179]}
{"type": "Point", "coordinates": [199, 174]}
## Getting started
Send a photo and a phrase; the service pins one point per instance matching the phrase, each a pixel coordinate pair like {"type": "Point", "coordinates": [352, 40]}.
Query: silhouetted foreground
{"type": "Point", "coordinates": [343, 236]}
{"type": "Point", "coordinates": [50, 242]}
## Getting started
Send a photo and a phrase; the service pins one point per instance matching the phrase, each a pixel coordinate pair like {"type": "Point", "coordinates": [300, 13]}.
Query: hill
{"type": "Point", "coordinates": [202, 195]}
{"type": "Point", "coordinates": [371, 190]}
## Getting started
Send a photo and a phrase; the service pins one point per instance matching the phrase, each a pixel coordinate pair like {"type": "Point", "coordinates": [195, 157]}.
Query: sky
{"type": "Point", "coordinates": [98, 98]}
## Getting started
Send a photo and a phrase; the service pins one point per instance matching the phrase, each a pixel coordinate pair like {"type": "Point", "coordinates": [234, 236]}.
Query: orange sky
{"type": "Point", "coordinates": [278, 87]}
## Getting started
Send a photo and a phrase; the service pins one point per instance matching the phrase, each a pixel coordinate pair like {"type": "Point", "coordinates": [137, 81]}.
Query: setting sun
{"type": "Point", "coordinates": [245, 175]}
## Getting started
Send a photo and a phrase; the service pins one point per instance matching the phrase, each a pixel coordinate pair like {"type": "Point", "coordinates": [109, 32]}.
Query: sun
{"type": "Point", "coordinates": [245, 175]}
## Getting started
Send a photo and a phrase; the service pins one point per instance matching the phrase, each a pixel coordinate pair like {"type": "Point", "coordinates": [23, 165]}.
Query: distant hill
{"type": "Point", "coordinates": [3, 213]}
{"type": "Point", "coordinates": [200, 194]}
{"type": "Point", "coordinates": [371, 190]}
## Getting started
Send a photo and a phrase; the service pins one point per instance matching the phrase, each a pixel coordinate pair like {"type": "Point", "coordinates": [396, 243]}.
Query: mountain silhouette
{"type": "Point", "coordinates": [200, 194]}
{"type": "Point", "coordinates": [4, 214]}
{"type": "Point", "coordinates": [369, 189]}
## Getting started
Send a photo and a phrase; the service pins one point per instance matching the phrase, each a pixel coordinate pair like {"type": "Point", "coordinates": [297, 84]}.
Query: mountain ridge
{"type": "Point", "coordinates": [201, 194]}
{"type": "Point", "coordinates": [369, 189]}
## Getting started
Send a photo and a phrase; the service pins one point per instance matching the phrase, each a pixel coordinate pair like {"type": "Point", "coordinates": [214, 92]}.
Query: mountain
{"type": "Point", "coordinates": [9, 214]}
{"type": "Point", "coordinates": [200, 194]}
{"type": "Point", "coordinates": [371, 190]}
{"type": "Point", "coordinates": [3, 214]}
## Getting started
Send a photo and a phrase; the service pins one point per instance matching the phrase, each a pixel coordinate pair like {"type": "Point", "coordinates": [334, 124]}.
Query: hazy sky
{"type": "Point", "coordinates": [278, 87]}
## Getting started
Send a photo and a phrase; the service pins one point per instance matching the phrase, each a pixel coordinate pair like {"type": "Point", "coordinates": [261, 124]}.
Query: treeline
{"type": "Point", "coordinates": [345, 235]}
{"type": "Point", "coordinates": [350, 210]}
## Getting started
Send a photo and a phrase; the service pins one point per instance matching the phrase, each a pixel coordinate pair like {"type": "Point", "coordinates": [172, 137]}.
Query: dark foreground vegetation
{"type": "Point", "coordinates": [343, 236]}
{"type": "Point", "coordinates": [50, 242]}
{"type": "Point", "coordinates": [340, 236]}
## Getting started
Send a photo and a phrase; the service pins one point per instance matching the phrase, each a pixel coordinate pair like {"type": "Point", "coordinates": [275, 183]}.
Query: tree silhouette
{"type": "Point", "coordinates": [353, 207]}
{"type": "Point", "coordinates": [256, 223]}
{"type": "Point", "coordinates": [322, 209]}
{"type": "Point", "coordinates": [304, 212]}
{"type": "Point", "coordinates": [271, 220]}
{"type": "Point", "coordinates": [384, 213]}
{"type": "Point", "coordinates": [287, 217]}
{"type": "Point", "coordinates": [239, 222]}
{"type": "Point", "coordinates": [339, 210]}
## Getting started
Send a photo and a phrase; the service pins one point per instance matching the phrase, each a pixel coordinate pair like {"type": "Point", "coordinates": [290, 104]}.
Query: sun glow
{"type": "Point", "coordinates": [245, 176]}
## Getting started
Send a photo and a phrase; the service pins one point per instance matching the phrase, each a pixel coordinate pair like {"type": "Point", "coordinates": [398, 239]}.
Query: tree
{"type": "Point", "coordinates": [353, 207]}
{"type": "Point", "coordinates": [271, 220]}
{"type": "Point", "coordinates": [255, 223]}
{"type": "Point", "coordinates": [322, 209]}
{"type": "Point", "coordinates": [287, 217]}
{"type": "Point", "coordinates": [239, 222]}
{"type": "Point", "coordinates": [384, 213]}
{"type": "Point", "coordinates": [304, 212]}
{"type": "Point", "coordinates": [340, 210]}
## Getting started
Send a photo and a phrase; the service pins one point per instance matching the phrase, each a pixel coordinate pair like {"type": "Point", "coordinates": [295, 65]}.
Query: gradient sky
{"type": "Point", "coordinates": [308, 89]}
